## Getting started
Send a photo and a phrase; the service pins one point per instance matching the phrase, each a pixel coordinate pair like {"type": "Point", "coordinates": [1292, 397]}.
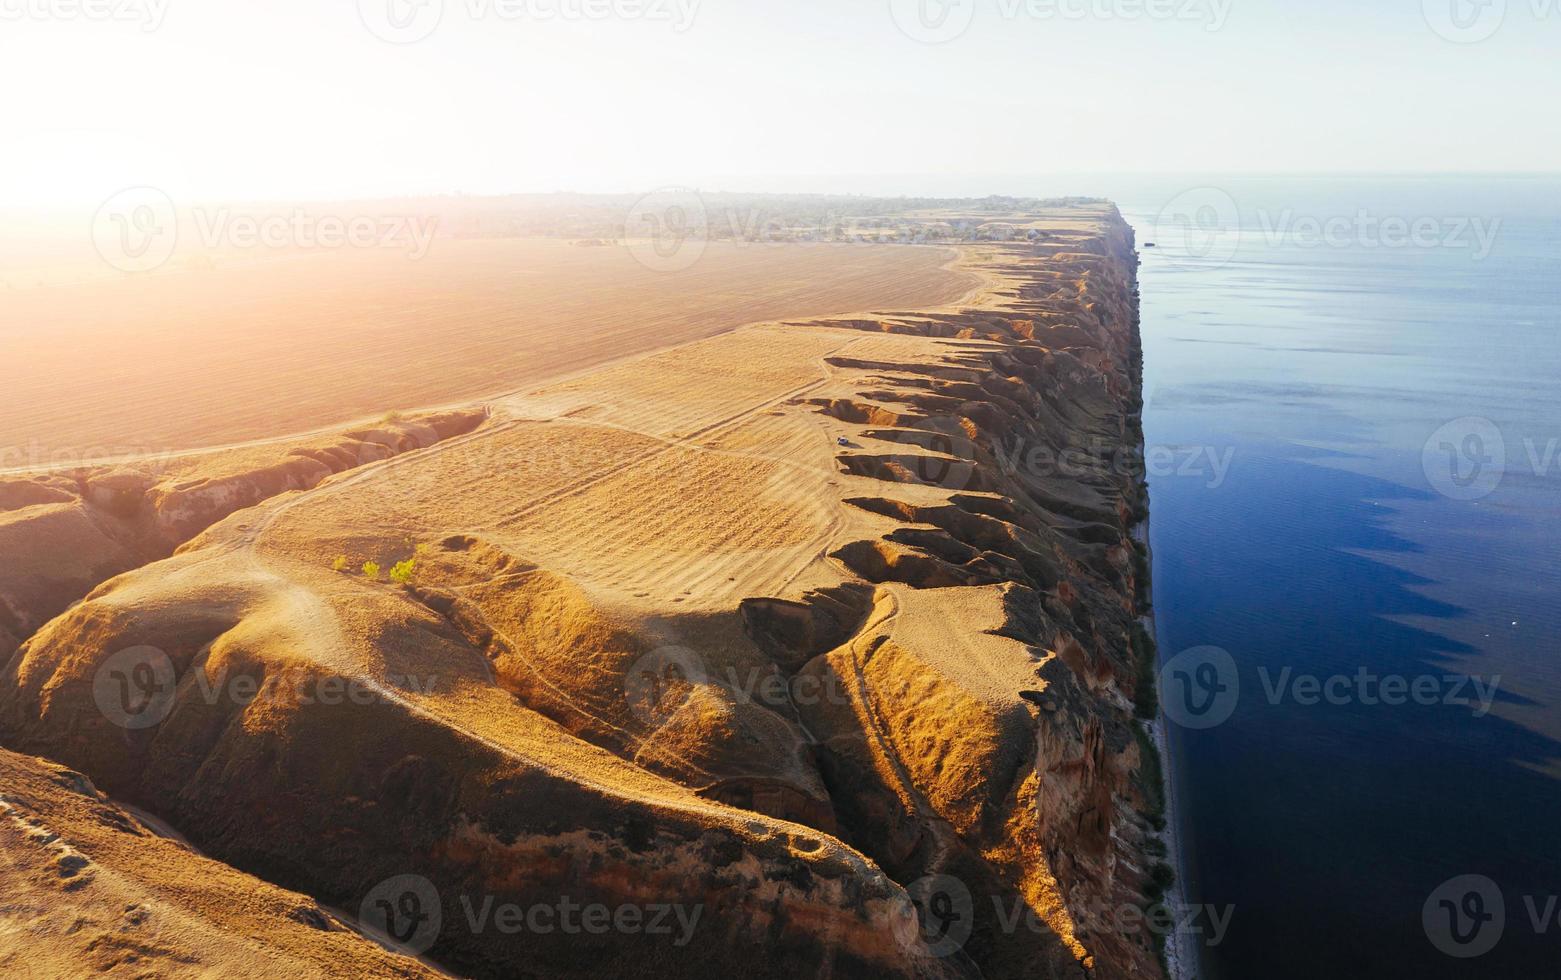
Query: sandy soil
{"type": "Point", "coordinates": [90, 889]}
{"type": "Point", "coordinates": [258, 348]}
{"type": "Point", "coordinates": [758, 623]}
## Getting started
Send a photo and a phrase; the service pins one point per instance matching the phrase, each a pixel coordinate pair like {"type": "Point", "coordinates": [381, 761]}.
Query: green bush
{"type": "Point", "coordinates": [401, 572]}
{"type": "Point", "coordinates": [1161, 878]}
{"type": "Point", "coordinates": [371, 570]}
{"type": "Point", "coordinates": [1151, 779]}
{"type": "Point", "coordinates": [1146, 698]}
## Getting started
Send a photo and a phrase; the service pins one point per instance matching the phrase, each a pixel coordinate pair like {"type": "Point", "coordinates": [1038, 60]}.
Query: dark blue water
{"type": "Point", "coordinates": [1336, 542]}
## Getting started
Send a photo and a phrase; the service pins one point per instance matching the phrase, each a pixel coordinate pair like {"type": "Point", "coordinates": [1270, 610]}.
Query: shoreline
{"type": "Point", "coordinates": [1181, 962]}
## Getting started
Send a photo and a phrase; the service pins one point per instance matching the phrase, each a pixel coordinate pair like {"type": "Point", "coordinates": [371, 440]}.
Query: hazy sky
{"type": "Point", "coordinates": [280, 98]}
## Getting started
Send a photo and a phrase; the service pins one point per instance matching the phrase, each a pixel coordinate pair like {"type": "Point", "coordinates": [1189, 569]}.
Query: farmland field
{"type": "Point", "coordinates": [258, 349]}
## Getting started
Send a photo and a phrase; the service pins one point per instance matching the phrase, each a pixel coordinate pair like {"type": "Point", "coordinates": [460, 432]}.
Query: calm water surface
{"type": "Point", "coordinates": [1337, 545]}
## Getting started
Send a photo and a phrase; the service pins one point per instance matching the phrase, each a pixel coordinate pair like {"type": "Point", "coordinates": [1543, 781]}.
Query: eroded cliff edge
{"type": "Point", "coordinates": [811, 627]}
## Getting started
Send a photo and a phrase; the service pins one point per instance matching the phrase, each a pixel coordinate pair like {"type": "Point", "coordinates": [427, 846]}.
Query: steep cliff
{"type": "Point", "coordinates": [817, 635]}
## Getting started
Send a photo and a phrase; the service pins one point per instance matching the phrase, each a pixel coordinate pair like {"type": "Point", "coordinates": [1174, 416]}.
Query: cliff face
{"type": "Point", "coordinates": [1006, 762]}
{"type": "Point", "coordinates": [818, 634]}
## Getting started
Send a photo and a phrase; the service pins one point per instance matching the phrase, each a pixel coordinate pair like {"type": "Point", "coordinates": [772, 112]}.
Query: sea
{"type": "Point", "coordinates": [1353, 417]}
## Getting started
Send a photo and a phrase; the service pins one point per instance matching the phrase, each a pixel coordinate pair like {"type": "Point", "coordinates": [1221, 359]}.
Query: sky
{"type": "Point", "coordinates": [288, 99]}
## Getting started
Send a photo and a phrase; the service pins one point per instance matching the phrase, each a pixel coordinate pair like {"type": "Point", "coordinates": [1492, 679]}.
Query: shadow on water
{"type": "Point", "coordinates": [1327, 826]}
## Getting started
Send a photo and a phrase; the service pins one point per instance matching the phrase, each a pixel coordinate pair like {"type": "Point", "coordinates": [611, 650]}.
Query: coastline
{"type": "Point", "coordinates": [1179, 952]}
{"type": "Point", "coordinates": [1181, 959]}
